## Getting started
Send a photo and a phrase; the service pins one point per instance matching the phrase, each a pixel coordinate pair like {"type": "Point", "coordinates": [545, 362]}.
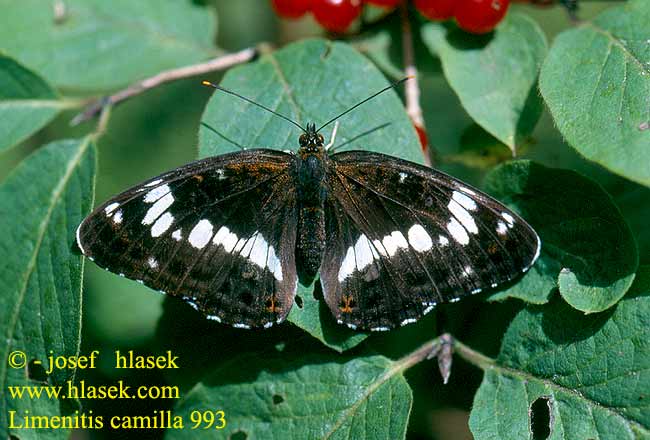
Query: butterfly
{"type": "Point", "coordinates": [234, 234]}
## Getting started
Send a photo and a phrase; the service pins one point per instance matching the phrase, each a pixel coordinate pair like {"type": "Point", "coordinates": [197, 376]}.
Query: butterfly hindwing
{"type": "Point", "coordinates": [219, 233]}
{"type": "Point", "coordinates": [403, 238]}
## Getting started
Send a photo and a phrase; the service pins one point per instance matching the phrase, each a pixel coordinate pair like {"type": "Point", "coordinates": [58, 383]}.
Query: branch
{"type": "Point", "coordinates": [219, 63]}
{"type": "Point", "coordinates": [442, 348]}
{"type": "Point", "coordinates": [412, 87]}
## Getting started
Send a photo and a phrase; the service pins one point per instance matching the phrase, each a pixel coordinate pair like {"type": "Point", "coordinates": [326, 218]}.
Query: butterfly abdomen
{"type": "Point", "coordinates": [312, 192]}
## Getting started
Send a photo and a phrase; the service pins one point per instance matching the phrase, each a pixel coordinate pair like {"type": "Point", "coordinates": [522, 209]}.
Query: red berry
{"type": "Point", "coordinates": [480, 16]}
{"type": "Point", "coordinates": [336, 15]}
{"type": "Point", "coordinates": [384, 3]}
{"type": "Point", "coordinates": [291, 8]}
{"type": "Point", "coordinates": [436, 9]}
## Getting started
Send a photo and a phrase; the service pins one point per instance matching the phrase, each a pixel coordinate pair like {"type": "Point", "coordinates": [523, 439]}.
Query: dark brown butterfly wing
{"type": "Point", "coordinates": [219, 233]}
{"type": "Point", "coordinates": [403, 238]}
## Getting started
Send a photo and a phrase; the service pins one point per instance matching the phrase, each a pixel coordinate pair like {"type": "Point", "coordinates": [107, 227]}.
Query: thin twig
{"type": "Point", "coordinates": [412, 87]}
{"type": "Point", "coordinates": [219, 63]}
{"type": "Point", "coordinates": [442, 348]}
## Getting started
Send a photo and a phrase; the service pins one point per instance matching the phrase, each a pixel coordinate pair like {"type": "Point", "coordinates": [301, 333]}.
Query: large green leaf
{"type": "Point", "coordinates": [27, 102]}
{"type": "Point", "coordinates": [596, 82]}
{"type": "Point", "coordinates": [494, 75]}
{"type": "Point", "coordinates": [99, 45]}
{"type": "Point", "coordinates": [312, 80]}
{"type": "Point", "coordinates": [41, 204]}
{"type": "Point", "coordinates": [587, 248]}
{"type": "Point", "coordinates": [592, 372]}
{"type": "Point", "coordinates": [293, 396]}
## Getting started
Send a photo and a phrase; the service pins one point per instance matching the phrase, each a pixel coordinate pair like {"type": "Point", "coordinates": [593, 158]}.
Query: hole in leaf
{"type": "Point", "coordinates": [239, 435]}
{"type": "Point", "coordinates": [35, 371]}
{"type": "Point", "coordinates": [13, 437]}
{"type": "Point", "coordinates": [541, 418]}
{"type": "Point", "coordinates": [318, 291]}
{"type": "Point", "coordinates": [299, 301]}
{"type": "Point", "coordinates": [277, 399]}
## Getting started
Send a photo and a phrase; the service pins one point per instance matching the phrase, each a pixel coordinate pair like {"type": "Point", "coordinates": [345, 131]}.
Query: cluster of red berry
{"type": "Point", "coordinates": [477, 16]}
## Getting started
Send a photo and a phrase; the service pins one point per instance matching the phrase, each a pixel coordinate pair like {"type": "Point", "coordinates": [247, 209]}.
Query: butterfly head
{"type": "Point", "coordinates": [311, 140]}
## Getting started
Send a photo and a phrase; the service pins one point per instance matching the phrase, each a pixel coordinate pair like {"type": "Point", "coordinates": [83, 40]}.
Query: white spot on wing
{"type": "Point", "coordinates": [176, 235]}
{"type": "Point", "coordinates": [380, 248]}
{"type": "Point", "coordinates": [221, 174]}
{"type": "Point", "coordinates": [201, 234]}
{"type": "Point", "coordinates": [152, 263]}
{"type": "Point", "coordinates": [156, 193]}
{"type": "Point", "coordinates": [365, 254]}
{"type": "Point", "coordinates": [259, 251]}
{"type": "Point", "coordinates": [407, 321]}
{"type": "Point", "coordinates": [467, 190]}
{"type": "Point", "coordinates": [463, 216]}
{"type": "Point", "coordinates": [274, 264]}
{"type": "Point", "coordinates": [248, 246]}
{"type": "Point", "coordinates": [444, 241]}
{"type": "Point", "coordinates": [213, 318]}
{"type": "Point", "coordinates": [379, 329]}
{"type": "Point", "coordinates": [348, 265]}
{"type": "Point", "coordinates": [239, 325]}
{"type": "Point", "coordinates": [110, 208]}
{"type": "Point", "coordinates": [268, 324]}
{"type": "Point", "coordinates": [507, 217]}
{"type": "Point", "coordinates": [428, 309]}
{"type": "Point", "coordinates": [350, 325]}
{"type": "Point", "coordinates": [501, 228]}
{"type": "Point", "coordinates": [225, 238]}
{"type": "Point", "coordinates": [158, 208]}
{"type": "Point", "coordinates": [419, 238]}
{"type": "Point", "coordinates": [458, 232]}
{"type": "Point", "coordinates": [117, 217]}
{"type": "Point", "coordinates": [402, 177]}
{"type": "Point", "coordinates": [162, 224]}
{"type": "Point", "coordinates": [154, 182]}
{"type": "Point", "coordinates": [394, 241]}
{"type": "Point", "coordinates": [464, 201]}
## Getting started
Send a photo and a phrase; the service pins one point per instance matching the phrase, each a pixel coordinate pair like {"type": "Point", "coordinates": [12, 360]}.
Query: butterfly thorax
{"type": "Point", "coordinates": [312, 192]}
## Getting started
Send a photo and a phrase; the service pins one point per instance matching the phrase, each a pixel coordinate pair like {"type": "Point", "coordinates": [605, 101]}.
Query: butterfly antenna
{"type": "Point", "coordinates": [365, 133]}
{"type": "Point", "coordinates": [222, 136]}
{"type": "Point", "coordinates": [392, 86]}
{"type": "Point", "coordinates": [230, 92]}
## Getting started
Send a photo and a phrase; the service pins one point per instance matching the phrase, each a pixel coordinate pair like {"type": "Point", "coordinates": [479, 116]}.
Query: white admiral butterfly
{"type": "Point", "coordinates": [232, 235]}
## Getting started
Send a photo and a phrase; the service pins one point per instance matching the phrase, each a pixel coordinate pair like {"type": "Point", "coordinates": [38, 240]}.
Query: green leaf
{"type": "Point", "coordinates": [308, 81]}
{"type": "Point", "coordinates": [41, 204]}
{"type": "Point", "coordinates": [100, 45]}
{"type": "Point", "coordinates": [587, 248]}
{"type": "Point", "coordinates": [312, 315]}
{"type": "Point", "coordinates": [27, 103]}
{"type": "Point", "coordinates": [312, 80]}
{"type": "Point", "coordinates": [594, 372]}
{"type": "Point", "coordinates": [293, 396]}
{"type": "Point", "coordinates": [494, 75]}
{"type": "Point", "coordinates": [596, 82]}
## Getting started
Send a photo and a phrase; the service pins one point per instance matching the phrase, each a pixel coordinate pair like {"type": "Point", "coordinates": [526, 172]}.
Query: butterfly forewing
{"type": "Point", "coordinates": [403, 237]}
{"type": "Point", "coordinates": [219, 233]}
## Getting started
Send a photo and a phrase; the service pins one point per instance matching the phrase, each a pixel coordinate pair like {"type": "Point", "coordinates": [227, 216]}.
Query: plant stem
{"type": "Point", "coordinates": [436, 348]}
{"type": "Point", "coordinates": [412, 87]}
{"type": "Point", "coordinates": [219, 63]}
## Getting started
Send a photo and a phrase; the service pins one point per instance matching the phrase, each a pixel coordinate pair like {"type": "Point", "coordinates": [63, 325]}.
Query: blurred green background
{"type": "Point", "coordinates": [158, 130]}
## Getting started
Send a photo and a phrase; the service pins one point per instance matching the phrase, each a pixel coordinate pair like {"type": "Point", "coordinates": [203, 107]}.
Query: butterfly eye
{"type": "Point", "coordinates": [303, 140]}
